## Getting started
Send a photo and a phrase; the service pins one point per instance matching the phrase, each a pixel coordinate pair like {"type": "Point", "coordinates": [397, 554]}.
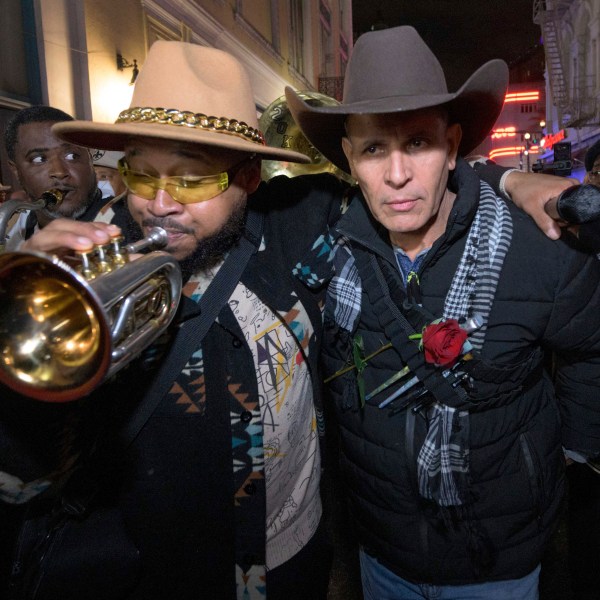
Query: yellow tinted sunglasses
{"type": "Point", "coordinates": [186, 189]}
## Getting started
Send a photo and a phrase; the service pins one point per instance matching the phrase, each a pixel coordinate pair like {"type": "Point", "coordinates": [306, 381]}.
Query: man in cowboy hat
{"type": "Point", "coordinates": [218, 485]}
{"type": "Point", "coordinates": [444, 301]}
{"type": "Point", "coordinates": [40, 161]}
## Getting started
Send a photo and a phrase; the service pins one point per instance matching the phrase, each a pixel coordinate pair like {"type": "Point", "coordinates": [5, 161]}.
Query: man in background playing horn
{"type": "Point", "coordinates": [41, 161]}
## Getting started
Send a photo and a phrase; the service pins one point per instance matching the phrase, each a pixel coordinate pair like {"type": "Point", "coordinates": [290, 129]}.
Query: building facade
{"type": "Point", "coordinates": [81, 55]}
{"type": "Point", "coordinates": [571, 36]}
{"type": "Point", "coordinates": [555, 117]}
{"type": "Point", "coordinates": [517, 134]}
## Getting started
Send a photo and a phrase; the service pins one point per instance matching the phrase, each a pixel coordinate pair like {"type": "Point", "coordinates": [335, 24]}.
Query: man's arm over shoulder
{"type": "Point", "coordinates": [529, 191]}
{"type": "Point", "coordinates": [302, 214]}
{"type": "Point", "coordinates": [322, 194]}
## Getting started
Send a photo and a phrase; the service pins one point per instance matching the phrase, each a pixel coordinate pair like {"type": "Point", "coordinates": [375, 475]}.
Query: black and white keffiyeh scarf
{"type": "Point", "coordinates": [443, 461]}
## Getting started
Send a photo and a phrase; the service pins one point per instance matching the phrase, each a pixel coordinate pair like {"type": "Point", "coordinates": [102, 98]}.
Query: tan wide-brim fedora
{"type": "Point", "coordinates": [185, 93]}
{"type": "Point", "coordinates": [391, 71]}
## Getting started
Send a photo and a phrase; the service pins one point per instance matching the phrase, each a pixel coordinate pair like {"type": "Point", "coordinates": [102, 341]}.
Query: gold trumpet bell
{"type": "Point", "coordinates": [55, 344]}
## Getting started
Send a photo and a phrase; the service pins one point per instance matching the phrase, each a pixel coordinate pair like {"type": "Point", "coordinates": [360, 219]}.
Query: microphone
{"type": "Point", "coordinates": [579, 205]}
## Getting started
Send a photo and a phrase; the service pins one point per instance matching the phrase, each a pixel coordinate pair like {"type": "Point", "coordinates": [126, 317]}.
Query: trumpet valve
{"type": "Point", "coordinates": [87, 266]}
{"type": "Point", "coordinates": [118, 254]}
{"type": "Point", "coordinates": [103, 259]}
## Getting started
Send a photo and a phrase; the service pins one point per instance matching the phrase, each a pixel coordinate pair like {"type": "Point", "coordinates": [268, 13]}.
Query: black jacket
{"type": "Point", "coordinates": [546, 301]}
{"type": "Point", "coordinates": [165, 506]}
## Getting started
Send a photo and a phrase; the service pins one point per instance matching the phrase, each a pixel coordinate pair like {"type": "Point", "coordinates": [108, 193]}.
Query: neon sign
{"type": "Point", "coordinates": [522, 97]}
{"type": "Point", "coordinates": [553, 138]}
{"type": "Point", "coordinates": [512, 151]}
{"type": "Point", "coordinates": [504, 132]}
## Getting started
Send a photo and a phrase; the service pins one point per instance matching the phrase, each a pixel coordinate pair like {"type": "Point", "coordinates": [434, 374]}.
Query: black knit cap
{"type": "Point", "coordinates": [591, 155]}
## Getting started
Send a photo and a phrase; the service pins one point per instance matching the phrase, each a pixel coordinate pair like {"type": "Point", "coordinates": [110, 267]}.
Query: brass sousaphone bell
{"type": "Point", "coordinates": [281, 131]}
{"type": "Point", "coordinates": [65, 328]}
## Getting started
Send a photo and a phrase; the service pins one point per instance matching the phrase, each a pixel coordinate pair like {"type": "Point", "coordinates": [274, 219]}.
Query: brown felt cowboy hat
{"type": "Point", "coordinates": [392, 71]}
{"type": "Point", "coordinates": [186, 93]}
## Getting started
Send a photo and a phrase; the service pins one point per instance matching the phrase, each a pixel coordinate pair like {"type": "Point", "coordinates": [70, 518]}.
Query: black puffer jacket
{"type": "Point", "coordinates": [547, 299]}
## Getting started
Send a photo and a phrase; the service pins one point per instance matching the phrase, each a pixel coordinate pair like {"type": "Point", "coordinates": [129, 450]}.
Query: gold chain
{"type": "Point", "coordinates": [184, 118]}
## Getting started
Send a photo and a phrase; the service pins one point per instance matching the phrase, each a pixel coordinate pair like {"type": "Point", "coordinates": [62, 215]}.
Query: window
{"type": "Point", "coordinates": [528, 108]}
{"type": "Point", "coordinates": [326, 46]}
{"type": "Point", "coordinates": [297, 35]}
{"type": "Point", "coordinates": [19, 76]}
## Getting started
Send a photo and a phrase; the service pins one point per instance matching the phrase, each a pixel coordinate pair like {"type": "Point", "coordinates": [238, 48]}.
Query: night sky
{"type": "Point", "coordinates": [463, 34]}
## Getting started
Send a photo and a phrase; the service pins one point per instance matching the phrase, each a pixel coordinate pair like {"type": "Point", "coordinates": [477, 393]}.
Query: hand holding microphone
{"type": "Point", "coordinates": [578, 208]}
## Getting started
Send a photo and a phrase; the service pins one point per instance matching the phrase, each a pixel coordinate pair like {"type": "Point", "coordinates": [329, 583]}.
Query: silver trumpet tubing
{"type": "Point", "coordinates": [49, 199]}
{"type": "Point", "coordinates": [66, 325]}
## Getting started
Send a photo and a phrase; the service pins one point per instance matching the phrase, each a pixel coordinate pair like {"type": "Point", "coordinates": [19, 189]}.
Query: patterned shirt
{"type": "Point", "coordinates": [287, 448]}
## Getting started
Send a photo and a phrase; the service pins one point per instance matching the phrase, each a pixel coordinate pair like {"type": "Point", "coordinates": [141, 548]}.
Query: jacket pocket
{"type": "Point", "coordinates": [534, 474]}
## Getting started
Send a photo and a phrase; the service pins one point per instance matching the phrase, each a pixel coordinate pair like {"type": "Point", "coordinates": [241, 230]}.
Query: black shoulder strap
{"type": "Point", "coordinates": [398, 327]}
{"type": "Point", "coordinates": [192, 332]}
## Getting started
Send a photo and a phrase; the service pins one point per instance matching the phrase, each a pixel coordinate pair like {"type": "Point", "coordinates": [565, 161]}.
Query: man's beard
{"type": "Point", "coordinates": [211, 250]}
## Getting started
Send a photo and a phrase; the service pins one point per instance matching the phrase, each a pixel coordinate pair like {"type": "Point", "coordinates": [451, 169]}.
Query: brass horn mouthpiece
{"type": "Point", "coordinates": [157, 238]}
{"type": "Point", "coordinates": [52, 198]}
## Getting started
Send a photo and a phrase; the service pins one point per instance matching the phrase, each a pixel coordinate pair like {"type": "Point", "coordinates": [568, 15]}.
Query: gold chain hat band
{"type": "Point", "coordinates": [184, 118]}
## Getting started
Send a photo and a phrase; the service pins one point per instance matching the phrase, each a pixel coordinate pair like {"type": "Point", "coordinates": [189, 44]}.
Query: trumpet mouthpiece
{"type": "Point", "coordinates": [157, 238]}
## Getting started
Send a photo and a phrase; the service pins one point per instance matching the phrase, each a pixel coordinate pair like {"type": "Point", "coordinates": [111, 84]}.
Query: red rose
{"type": "Point", "coordinates": [443, 342]}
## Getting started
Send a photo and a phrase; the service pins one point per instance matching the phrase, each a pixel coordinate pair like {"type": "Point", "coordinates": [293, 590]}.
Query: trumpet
{"type": "Point", "coordinates": [67, 325]}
